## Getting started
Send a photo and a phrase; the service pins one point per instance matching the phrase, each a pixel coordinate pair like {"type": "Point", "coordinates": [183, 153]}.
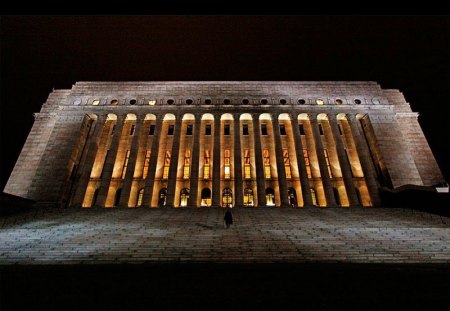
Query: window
{"type": "Point", "coordinates": [287, 164]}
{"type": "Point", "coordinates": [114, 102]}
{"type": "Point", "coordinates": [152, 102]}
{"type": "Point", "coordinates": [292, 195]}
{"type": "Point", "coordinates": [283, 101]}
{"type": "Point", "coordinates": [166, 165]}
{"type": "Point", "coordinates": [266, 156]}
{"type": "Point", "coordinates": [189, 129]}
{"type": "Point", "coordinates": [320, 129]}
{"type": "Point", "coordinates": [133, 102]}
{"type": "Point", "coordinates": [247, 174]}
{"type": "Point", "coordinates": [282, 129]}
{"type": "Point", "coordinates": [248, 197]}
{"type": "Point", "coordinates": [340, 129]}
{"type": "Point", "coordinates": [207, 165]}
{"type": "Point", "coordinates": [270, 197]}
{"type": "Point", "coordinates": [263, 129]}
{"type": "Point", "coordinates": [339, 101]}
{"type": "Point", "coordinates": [327, 161]}
{"type": "Point", "coordinates": [151, 130]}
{"type": "Point", "coordinates": [245, 129]}
{"type": "Point", "coordinates": [319, 101]}
{"type": "Point", "coordinates": [184, 196]}
{"type": "Point", "coordinates": [226, 129]}
{"type": "Point", "coordinates": [227, 197]}
{"type": "Point", "coordinates": [140, 197]}
{"type": "Point", "coordinates": [226, 101]}
{"type": "Point", "coordinates": [206, 197]}
{"type": "Point", "coordinates": [146, 164]}
{"type": "Point", "coordinates": [357, 101]}
{"type": "Point", "coordinates": [301, 101]}
{"type": "Point", "coordinates": [133, 127]}
{"type": "Point", "coordinates": [208, 129]}
{"type": "Point", "coordinates": [264, 101]}
{"type": "Point", "coordinates": [301, 128]}
{"type": "Point", "coordinates": [187, 164]}
{"type": "Point", "coordinates": [307, 163]}
{"type": "Point", "coordinates": [125, 164]}
{"type": "Point", "coordinates": [313, 196]}
{"type": "Point", "coordinates": [95, 102]}
{"type": "Point", "coordinates": [171, 129]}
{"type": "Point", "coordinates": [245, 101]}
{"type": "Point", "coordinates": [189, 101]}
{"type": "Point", "coordinates": [208, 101]}
{"type": "Point", "coordinates": [162, 197]}
{"type": "Point", "coordinates": [227, 164]}
{"type": "Point", "coordinates": [170, 101]}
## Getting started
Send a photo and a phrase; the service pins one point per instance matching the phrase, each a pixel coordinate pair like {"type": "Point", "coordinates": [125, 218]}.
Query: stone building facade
{"type": "Point", "coordinates": [238, 144]}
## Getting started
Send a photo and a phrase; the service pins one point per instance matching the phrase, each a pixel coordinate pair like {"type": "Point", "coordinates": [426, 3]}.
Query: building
{"type": "Point", "coordinates": [239, 144]}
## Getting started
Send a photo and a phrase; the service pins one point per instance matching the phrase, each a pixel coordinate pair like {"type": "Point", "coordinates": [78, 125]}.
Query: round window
{"type": "Point", "coordinates": [170, 101]}
{"type": "Point", "coordinates": [301, 101]}
{"type": "Point", "coordinates": [357, 101]}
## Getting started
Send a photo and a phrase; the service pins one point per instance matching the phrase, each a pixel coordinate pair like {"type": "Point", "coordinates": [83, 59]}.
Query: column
{"type": "Point", "coordinates": [149, 182]}
{"type": "Point", "coordinates": [83, 181]}
{"type": "Point", "coordinates": [110, 161]}
{"type": "Point", "coordinates": [193, 192]}
{"type": "Point", "coordinates": [127, 183]}
{"type": "Point", "coordinates": [344, 163]}
{"type": "Point", "coordinates": [260, 182]}
{"type": "Point", "coordinates": [365, 159]}
{"type": "Point", "coordinates": [282, 184]}
{"type": "Point", "coordinates": [239, 192]}
{"type": "Point", "coordinates": [216, 163]}
{"type": "Point", "coordinates": [174, 162]}
{"type": "Point", "coordinates": [327, 187]}
{"type": "Point", "coordinates": [307, 201]}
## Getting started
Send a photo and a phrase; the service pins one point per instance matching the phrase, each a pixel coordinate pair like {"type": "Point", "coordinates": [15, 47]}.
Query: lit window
{"type": "Point", "coordinates": [171, 129]}
{"type": "Point", "coordinates": [125, 164]}
{"type": "Point", "coordinates": [313, 196]}
{"type": "Point", "coordinates": [327, 161]}
{"type": "Point", "coordinates": [208, 129]}
{"type": "Point", "coordinates": [151, 130]}
{"type": "Point", "coordinates": [152, 102]}
{"type": "Point", "coordinates": [114, 102]}
{"type": "Point", "coordinates": [227, 197]}
{"type": "Point", "coordinates": [146, 164]}
{"type": "Point", "coordinates": [247, 164]}
{"type": "Point", "coordinates": [226, 129]}
{"type": "Point", "coordinates": [207, 166]}
{"type": "Point", "coordinates": [140, 197]}
{"type": "Point", "coordinates": [307, 163]}
{"type": "Point", "coordinates": [263, 129]}
{"type": "Point", "coordinates": [248, 197]}
{"type": "Point", "coordinates": [270, 197]}
{"type": "Point", "coordinates": [184, 196]}
{"type": "Point", "coordinates": [244, 129]}
{"type": "Point", "coordinates": [166, 165]}
{"type": "Point", "coordinates": [320, 129]}
{"type": "Point", "coordinates": [227, 172]}
{"type": "Point", "coordinates": [189, 129]}
{"type": "Point", "coordinates": [287, 164]}
{"type": "Point", "coordinates": [282, 129]}
{"type": "Point", "coordinates": [187, 164]}
{"type": "Point", "coordinates": [301, 127]}
{"type": "Point", "coordinates": [319, 102]}
{"type": "Point", "coordinates": [338, 101]}
{"type": "Point", "coordinates": [133, 127]}
{"type": "Point", "coordinates": [266, 156]}
{"type": "Point", "coordinates": [95, 102]}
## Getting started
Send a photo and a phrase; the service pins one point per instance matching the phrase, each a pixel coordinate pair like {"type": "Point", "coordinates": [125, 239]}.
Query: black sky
{"type": "Point", "coordinates": [38, 53]}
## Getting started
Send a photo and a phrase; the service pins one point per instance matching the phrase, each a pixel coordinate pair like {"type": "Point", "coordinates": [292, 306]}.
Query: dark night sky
{"type": "Point", "coordinates": [38, 53]}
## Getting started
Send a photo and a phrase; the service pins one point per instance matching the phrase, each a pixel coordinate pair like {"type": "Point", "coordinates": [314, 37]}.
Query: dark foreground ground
{"type": "Point", "coordinates": [226, 287]}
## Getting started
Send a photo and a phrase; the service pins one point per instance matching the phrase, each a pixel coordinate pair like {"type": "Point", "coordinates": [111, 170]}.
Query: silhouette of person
{"type": "Point", "coordinates": [228, 217]}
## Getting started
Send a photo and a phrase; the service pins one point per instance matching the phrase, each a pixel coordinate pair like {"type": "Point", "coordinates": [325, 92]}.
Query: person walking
{"type": "Point", "coordinates": [228, 217]}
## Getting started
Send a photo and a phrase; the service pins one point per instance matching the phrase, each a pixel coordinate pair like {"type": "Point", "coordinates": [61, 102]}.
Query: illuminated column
{"type": "Point", "coordinates": [174, 163]}
{"type": "Point", "coordinates": [280, 162]}
{"type": "Point", "coordinates": [238, 162]}
{"type": "Point", "coordinates": [328, 188]}
{"type": "Point", "coordinates": [149, 182]}
{"type": "Point", "coordinates": [344, 163]}
{"type": "Point", "coordinates": [126, 187]}
{"type": "Point", "coordinates": [109, 161]}
{"type": "Point", "coordinates": [306, 193]}
{"type": "Point", "coordinates": [364, 158]}
{"type": "Point", "coordinates": [83, 181]}
{"type": "Point", "coordinates": [216, 163]}
{"type": "Point", "coordinates": [193, 192]}
{"type": "Point", "coordinates": [260, 183]}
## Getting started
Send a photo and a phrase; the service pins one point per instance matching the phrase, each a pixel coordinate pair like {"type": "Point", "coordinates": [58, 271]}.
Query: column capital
{"type": "Point", "coordinates": [274, 116]}
{"type": "Point", "coordinates": [255, 116]}
{"type": "Point", "coordinates": [351, 116]}
{"type": "Point", "coordinates": [331, 117]}
{"type": "Point", "coordinates": [312, 116]}
{"type": "Point", "coordinates": [217, 116]}
{"type": "Point", "coordinates": [293, 115]}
